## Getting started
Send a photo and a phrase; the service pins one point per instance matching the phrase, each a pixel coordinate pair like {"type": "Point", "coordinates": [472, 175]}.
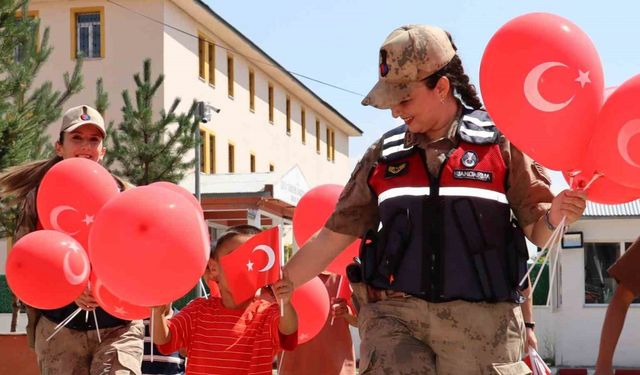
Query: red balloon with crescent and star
{"type": "Point", "coordinates": [71, 194]}
{"type": "Point", "coordinates": [47, 269]}
{"type": "Point", "coordinates": [542, 83]}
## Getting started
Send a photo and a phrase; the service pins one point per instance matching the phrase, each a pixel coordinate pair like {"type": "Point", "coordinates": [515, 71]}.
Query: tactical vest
{"type": "Point", "coordinates": [445, 237]}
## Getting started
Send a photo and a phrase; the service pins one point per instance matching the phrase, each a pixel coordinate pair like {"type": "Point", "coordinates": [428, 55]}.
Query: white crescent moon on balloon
{"type": "Point", "coordinates": [532, 93]}
{"type": "Point", "coordinates": [53, 218]}
{"type": "Point", "coordinates": [72, 278]}
{"type": "Point", "coordinates": [270, 254]}
{"type": "Point", "coordinates": [630, 129]}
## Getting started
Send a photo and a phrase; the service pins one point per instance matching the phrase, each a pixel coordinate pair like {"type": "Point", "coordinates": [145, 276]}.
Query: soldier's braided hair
{"type": "Point", "coordinates": [458, 78]}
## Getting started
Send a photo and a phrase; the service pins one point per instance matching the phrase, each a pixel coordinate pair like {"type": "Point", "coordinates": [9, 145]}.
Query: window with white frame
{"type": "Point", "coordinates": [88, 35]}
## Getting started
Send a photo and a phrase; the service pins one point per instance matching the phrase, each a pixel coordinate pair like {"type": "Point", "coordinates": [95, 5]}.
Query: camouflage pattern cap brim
{"type": "Point", "coordinates": [385, 94]}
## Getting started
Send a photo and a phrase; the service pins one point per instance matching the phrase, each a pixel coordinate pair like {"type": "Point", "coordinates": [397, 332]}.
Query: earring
{"type": "Point", "coordinates": [442, 100]}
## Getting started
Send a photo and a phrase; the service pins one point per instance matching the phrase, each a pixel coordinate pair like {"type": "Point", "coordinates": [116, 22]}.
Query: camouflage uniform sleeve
{"type": "Point", "coordinates": [528, 185]}
{"type": "Point", "coordinates": [357, 208]}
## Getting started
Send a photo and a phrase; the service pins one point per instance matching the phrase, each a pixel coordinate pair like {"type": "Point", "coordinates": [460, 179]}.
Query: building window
{"type": "Point", "coordinates": [87, 32]}
{"type": "Point", "coordinates": [303, 125]}
{"type": "Point", "coordinates": [230, 76]}
{"type": "Point", "coordinates": [317, 136]}
{"type": "Point", "coordinates": [203, 154]}
{"type": "Point", "coordinates": [252, 90]}
{"type": "Point", "coordinates": [288, 114]}
{"type": "Point", "coordinates": [212, 153]}
{"type": "Point", "coordinates": [598, 257]}
{"type": "Point", "coordinates": [333, 145]}
{"type": "Point", "coordinates": [31, 19]}
{"type": "Point", "coordinates": [271, 103]}
{"type": "Point", "coordinates": [202, 58]}
{"type": "Point", "coordinates": [211, 58]}
{"type": "Point", "coordinates": [252, 163]}
{"type": "Point", "coordinates": [328, 140]}
{"type": "Point", "coordinates": [272, 167]}
{"type": "Point", "coordinates": [232, 158]}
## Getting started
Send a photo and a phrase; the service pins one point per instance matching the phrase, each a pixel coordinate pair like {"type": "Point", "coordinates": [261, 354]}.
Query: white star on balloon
{"type": "Point", "coordinates": [88, 219]}
{"type": "Point", "coordinates": [583, 78]}
{"type": "Point", "coordinates": [120, 310]}
{"type": "Point", "coordinates": [73, 246]}
{"type": "Point", "coordinates": [249, 266]}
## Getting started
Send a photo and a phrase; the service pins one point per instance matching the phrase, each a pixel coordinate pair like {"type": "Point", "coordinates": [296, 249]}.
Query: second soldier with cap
{"type": "Point", "coordinates": [77, 348]}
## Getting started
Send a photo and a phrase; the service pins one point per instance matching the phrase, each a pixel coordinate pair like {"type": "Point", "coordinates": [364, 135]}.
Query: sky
{"type": "Point", "coordinates": [338, 41]}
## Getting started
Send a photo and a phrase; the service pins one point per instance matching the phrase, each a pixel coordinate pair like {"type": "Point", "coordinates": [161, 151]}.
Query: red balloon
{"type": "Point", "coordinates": [148, 245]}
{"type": "Point", "coordinates": [70, 195]}
{"type": "Point", "coordinates": [542, 83]}
{"type": "Point", "coordinates": [47, 269]}
{"type": "Point", "coordinates": [311, 301]}
{"type": "Point", "coordinates": [114, 305]}
{"type": "Point", "coordinates": [602, 189]}
{"type": "Point", "coordinates": [312, 212]}
{"type": "Point", "coordinates": [615, 146]}
{"type": "Point", "coordinates": [182, 191]}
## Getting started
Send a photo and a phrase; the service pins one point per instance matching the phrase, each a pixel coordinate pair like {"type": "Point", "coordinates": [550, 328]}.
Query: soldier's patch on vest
{"type": "Point", "coordinates": [469, 159]}
{"type": "Point", "coordinates": [466, 174]}
{"type": "Point", "coordinates": [397, 169]}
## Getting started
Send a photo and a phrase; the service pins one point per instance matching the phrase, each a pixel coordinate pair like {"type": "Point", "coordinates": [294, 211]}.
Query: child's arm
{"type": "Point", "coordinates": [283, 289]}
{"type": "Point", "coordinates": [161, 333]}
{"type": "Point", "coordinates": [611, 328]}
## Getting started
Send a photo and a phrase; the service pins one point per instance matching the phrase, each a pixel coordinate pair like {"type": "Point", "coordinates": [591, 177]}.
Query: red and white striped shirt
{"type": "Point", "coordinates": [223, 341]}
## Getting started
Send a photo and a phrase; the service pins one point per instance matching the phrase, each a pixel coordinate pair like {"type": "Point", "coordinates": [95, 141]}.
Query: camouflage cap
{"type": "Point", "coordinates": [410, 54]}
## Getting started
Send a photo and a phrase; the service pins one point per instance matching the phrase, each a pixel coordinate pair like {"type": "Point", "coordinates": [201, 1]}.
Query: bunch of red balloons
{"type": "Point", "coordinates": [542, 83]}
{"type": "Point", "coordinates": [143, 247]}
{"type": "Point", "coordinates": [311, 300]}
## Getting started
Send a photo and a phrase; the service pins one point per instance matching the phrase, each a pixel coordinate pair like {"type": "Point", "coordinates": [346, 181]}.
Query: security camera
{"type": "Point", "coordinates": [206, 110]}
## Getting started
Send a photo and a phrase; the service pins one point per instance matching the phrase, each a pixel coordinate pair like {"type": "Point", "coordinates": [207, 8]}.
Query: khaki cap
{"type": "Point", "coordinates": [77, 116]}
{"type": "Point", "coordinates": [410, 54]}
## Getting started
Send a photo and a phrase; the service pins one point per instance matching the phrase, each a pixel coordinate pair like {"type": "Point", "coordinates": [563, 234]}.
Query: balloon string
{"type": "Point", "coordinates": [280, 361]}
{"type": "Point", "coordinates": [596, 176]}
{"type": "Point", "coordinates": [542, 253]}
{"type": "Point", "coordinates": [95, 319]}
{"type": "Point", "coordinates": [204, 291]}
{"type": "Point", "coordinates": [63, 323]}
{"type": "Point", "coordinates": [86, 316]}
{"type": "Point", "coordinates": [337, 295]}
{"type": "Point", "coordinates": [557, 238]}
{"type": "Point", "coordinates": [553, 268]}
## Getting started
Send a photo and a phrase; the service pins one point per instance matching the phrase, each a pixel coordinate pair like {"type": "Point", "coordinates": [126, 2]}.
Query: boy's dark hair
{"type": "Point", "coordinates": [244, 229]}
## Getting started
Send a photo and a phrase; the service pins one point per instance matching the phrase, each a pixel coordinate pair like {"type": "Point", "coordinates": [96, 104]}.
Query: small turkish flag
{"type": "Point", "coordinates": [345, 292]}
{"type": "Point", "coordinates": [536, 363]}
{"type": "Point", "coordinates": [254, 264]}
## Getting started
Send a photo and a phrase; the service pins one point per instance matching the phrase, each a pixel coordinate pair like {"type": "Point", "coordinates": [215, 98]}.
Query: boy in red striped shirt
{"type": "Point", "coordinates": [222, 337]}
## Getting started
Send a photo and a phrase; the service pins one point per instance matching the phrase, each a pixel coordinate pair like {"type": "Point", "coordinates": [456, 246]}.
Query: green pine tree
{"type": "Point", "coordinates": [144, 150]}
{"type": "Point", "coordinates": [25, 109]}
